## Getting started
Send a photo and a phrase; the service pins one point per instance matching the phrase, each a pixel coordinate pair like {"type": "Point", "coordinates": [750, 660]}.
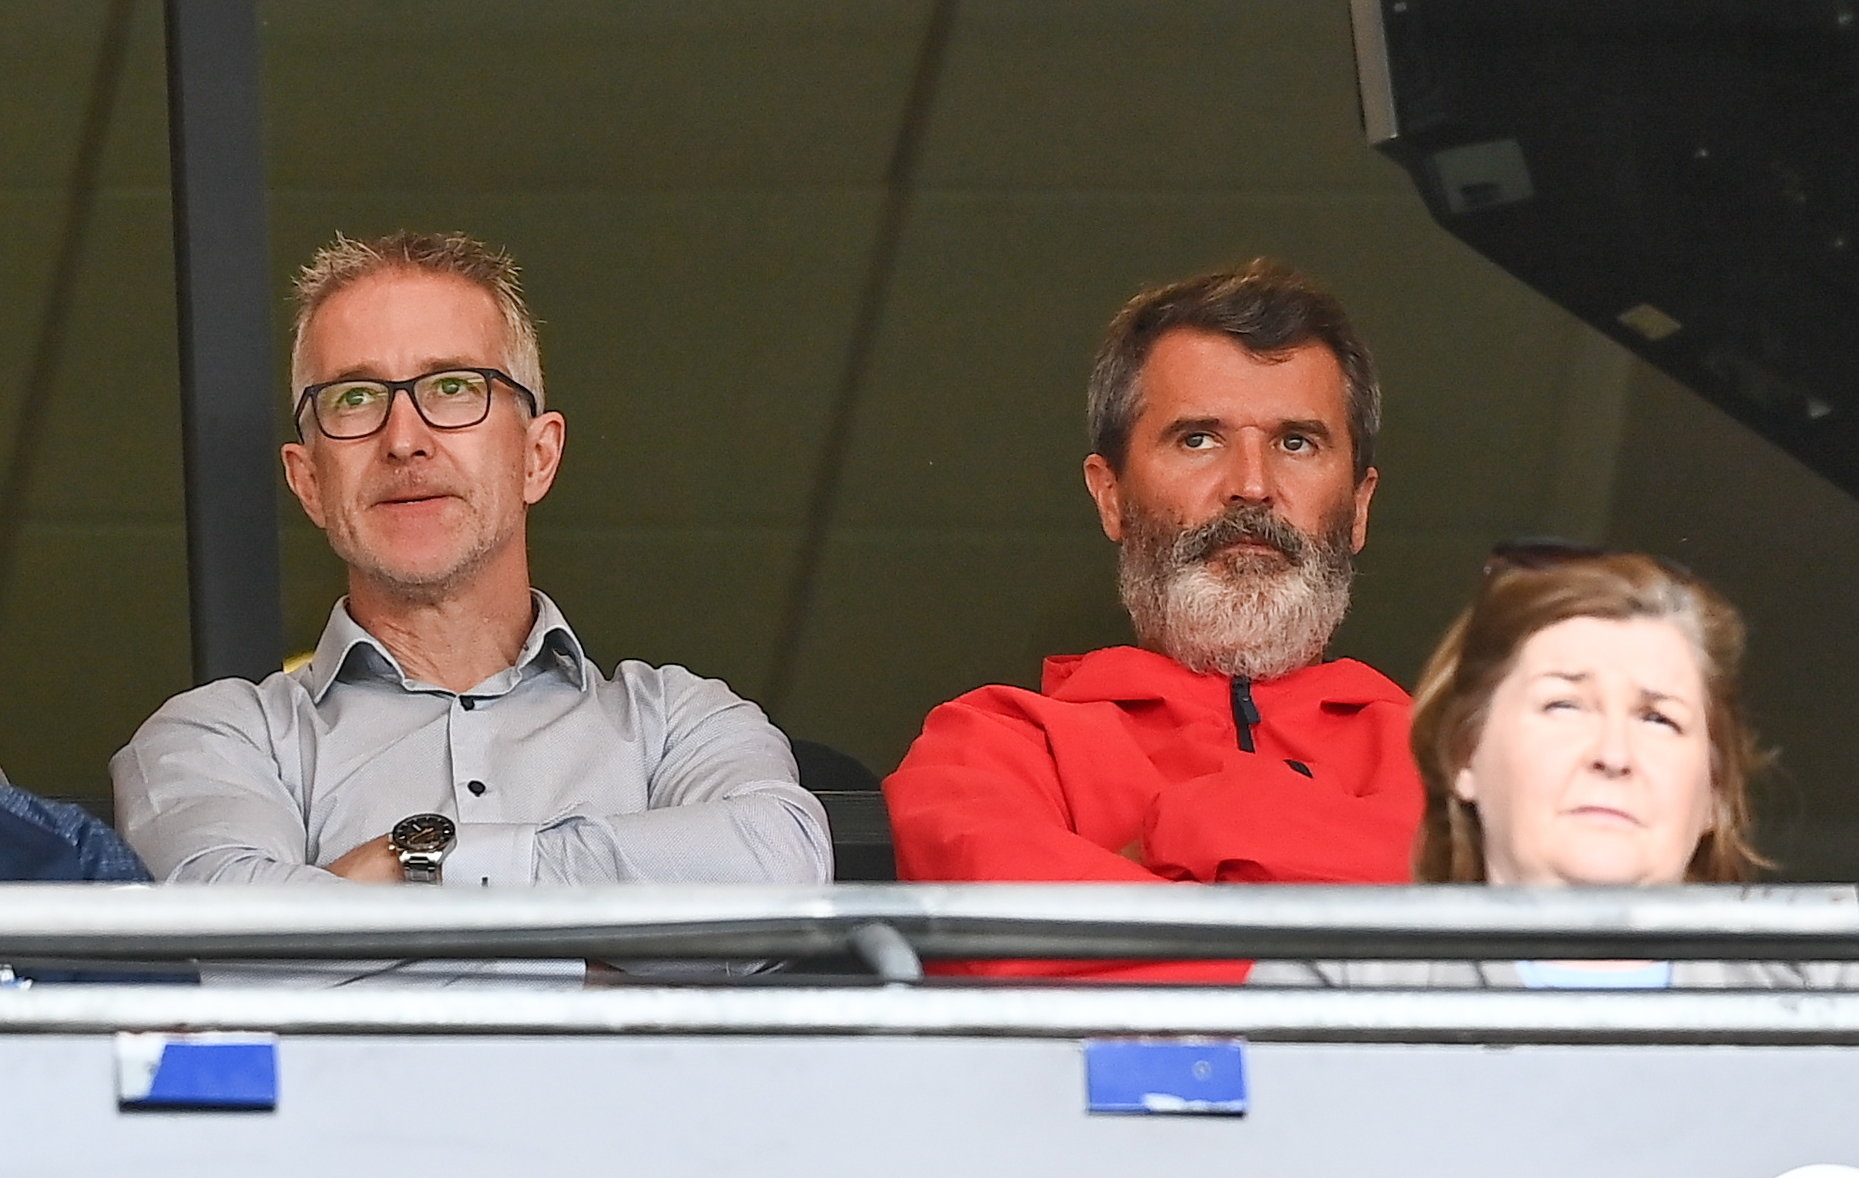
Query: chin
{"type": "Point", "coordinates": [1611, 872]}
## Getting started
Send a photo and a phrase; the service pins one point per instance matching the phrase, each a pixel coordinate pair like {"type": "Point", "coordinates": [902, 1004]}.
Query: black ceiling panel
{"type": "Point", "coordinates": [1682, 174]}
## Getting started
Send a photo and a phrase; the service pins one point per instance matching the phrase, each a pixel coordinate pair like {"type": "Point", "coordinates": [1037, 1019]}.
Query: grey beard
{"type": "Point", "coordinates": [1246, 614]}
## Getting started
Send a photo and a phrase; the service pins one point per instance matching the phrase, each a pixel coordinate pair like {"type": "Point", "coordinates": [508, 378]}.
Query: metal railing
{"type": "Point", "coordinates": [170, 923]}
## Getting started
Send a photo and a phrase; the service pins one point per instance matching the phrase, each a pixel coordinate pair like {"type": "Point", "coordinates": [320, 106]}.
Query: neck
{"type": "Point", "coordinates": [456, 640]}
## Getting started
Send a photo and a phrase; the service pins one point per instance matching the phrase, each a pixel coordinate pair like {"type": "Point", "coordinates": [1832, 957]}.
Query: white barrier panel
{"type": "Point", "coordinates": [681, 1107]}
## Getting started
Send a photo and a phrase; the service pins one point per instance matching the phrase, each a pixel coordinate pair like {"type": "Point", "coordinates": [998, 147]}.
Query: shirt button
{"type": "Point", "coordinates": [477, 788]}
{"type": "Point", "coordinates": [466, 702]}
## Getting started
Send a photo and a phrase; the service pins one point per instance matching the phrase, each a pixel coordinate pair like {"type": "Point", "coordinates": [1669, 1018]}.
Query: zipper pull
{"type": "Point", "coordinates": [1245, 713]}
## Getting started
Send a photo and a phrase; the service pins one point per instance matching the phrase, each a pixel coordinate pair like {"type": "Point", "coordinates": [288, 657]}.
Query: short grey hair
{"type": "Point", "coordinates": [347, 260]}
{"type": "Point", "coordinates": [1267, 308]}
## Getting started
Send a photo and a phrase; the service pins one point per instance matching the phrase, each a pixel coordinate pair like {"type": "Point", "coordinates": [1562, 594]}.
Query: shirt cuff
{"type": "Point", "coordinates": [492, 854]}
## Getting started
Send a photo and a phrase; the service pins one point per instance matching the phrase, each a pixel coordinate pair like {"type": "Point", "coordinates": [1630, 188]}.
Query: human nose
{"type": "Point", "coordinates": [1612, 755]}
{"type": "Point", "coordinates": [1248, 475]}
{"type": "Point", "coordinates": [405, 432]}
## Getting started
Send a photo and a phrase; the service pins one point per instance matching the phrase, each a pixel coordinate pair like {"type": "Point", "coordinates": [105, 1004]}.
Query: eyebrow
{"type": "Point", "coordinates": [1646, 693]}
{"type": "Point", "coordinates": [368, 369]}
{"type": "Point", "coordinates": [1190, 425]}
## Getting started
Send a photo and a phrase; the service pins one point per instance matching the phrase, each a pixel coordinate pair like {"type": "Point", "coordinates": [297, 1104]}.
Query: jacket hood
{"type": "Point", "coordinates": [1124, 674]}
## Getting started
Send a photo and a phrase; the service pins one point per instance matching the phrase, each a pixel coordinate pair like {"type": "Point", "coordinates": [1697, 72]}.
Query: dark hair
{"type": "Point", "coordinates": [1517, 599]}
{"type": "Point", "coordinates": [1267, 307]}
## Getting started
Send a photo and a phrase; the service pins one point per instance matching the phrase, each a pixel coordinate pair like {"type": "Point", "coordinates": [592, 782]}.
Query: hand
{"type": "Point", "coordinates": [372, 862]}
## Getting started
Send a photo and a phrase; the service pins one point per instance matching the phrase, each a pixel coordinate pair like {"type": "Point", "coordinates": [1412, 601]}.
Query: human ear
{"type": "Point", "coordinates": [1365, 491]}
{"type": "Point", "coordinates": [300, 475]}
{"type": "Point", "coordinates": [1101, 481]}
{"type": "Point", "coordinates": [1465, 786]}
{"type": "Point", "coordinates": [545, 437]}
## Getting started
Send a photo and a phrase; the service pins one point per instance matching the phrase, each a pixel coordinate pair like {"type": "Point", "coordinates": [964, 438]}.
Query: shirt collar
{"type": "Point", "coordinates": [347, 651]}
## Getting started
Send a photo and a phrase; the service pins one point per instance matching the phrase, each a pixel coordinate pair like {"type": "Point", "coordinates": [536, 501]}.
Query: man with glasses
{"type": "Point", "coordinates": [449, 729]}
{"type": "Point", "coordinates": [1233, 420]}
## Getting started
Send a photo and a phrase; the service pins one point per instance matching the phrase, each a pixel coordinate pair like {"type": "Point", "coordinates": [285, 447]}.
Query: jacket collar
{"type": "Point", "coordinates": [1126, 674]}
{"type": "Point", "coordinates": [348, 652]}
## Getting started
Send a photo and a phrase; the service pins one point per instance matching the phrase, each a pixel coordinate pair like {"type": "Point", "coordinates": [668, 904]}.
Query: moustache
{"type": "Point", "coordinates": [1243, 523]}
{"type": "Point", "coordinates": [411, 488]}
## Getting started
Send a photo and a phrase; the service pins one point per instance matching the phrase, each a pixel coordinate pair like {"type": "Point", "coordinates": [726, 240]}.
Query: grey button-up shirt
{"type": "Point", "coordinates": [553, 772]}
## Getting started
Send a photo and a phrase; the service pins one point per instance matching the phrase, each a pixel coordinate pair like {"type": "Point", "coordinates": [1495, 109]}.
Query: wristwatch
{"type": "Point", "coordinates": [422, 842]}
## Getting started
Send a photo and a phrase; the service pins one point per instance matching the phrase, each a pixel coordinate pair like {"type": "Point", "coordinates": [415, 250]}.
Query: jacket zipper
{"type": "Point", "coordinates": [1245, 713]}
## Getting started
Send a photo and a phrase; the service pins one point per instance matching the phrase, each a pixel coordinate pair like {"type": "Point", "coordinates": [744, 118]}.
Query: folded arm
{"type": "Point", "coordinates": [724, 805]}
{"type": "Point", "coordinates": [978, 799]}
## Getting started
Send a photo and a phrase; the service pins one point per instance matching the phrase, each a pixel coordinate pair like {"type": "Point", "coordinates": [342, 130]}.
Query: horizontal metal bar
{"type": "Point", "coordinates": [972, 920]}
{"type": "Point", "coordinates": [1392, 1016]}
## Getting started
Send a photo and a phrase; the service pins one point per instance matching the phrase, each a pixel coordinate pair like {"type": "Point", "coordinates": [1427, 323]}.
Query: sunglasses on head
{"type": "Point", "coordinates": [1541, 553]}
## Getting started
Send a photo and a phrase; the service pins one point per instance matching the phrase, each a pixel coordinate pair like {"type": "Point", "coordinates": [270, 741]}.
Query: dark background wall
{"type": "Point", "coordinates": [701, 194]}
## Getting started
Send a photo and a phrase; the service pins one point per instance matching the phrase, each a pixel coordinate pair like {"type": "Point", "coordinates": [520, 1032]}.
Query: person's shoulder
{"type": "Point", "coordinates": [638, 677]}
{"type": "Point", "coordinates": [1096, 676]}
{"type": "Point", "coordinates": [995, 707]}
{"type": "Point", "coordinates": [993, 697]}
{"type": "Point", "coordinates": [1351, 682]}
{"type": "Point", "coordinates": [230, 703]}
{"type": "Point", "coordinates": [1073, 688]}
{"type": "Point", "coordinates": [673, 693]}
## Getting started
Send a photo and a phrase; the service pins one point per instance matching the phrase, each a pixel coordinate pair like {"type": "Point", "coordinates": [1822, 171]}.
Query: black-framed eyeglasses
{"type": "Point", "coordinates": [452, 398]}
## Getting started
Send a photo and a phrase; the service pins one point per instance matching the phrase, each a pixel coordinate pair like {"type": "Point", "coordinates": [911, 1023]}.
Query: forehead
{"type": "Point", "coordinates": [1643, 652]}
{"type": "Point", "coordinates": [400, 323]}
{"type": "Point", "coordinates": [1191, 373]}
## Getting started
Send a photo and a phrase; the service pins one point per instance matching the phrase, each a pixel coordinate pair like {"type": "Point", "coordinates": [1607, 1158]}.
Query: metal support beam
{"type": "Point", "coordinates": [823, 504]}
{"type": "Point", "coordinates": [228, 422]}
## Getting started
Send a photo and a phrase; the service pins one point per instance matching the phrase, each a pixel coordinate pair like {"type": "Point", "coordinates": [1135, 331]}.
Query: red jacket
{"type": "Point", "coordinates": [1129, 768]}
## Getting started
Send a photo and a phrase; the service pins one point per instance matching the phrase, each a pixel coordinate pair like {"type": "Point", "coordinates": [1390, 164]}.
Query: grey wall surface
{"type": "Point", "coordinates": [697, 191]}
{"type": "Point", "coordinates": [792, 1105]}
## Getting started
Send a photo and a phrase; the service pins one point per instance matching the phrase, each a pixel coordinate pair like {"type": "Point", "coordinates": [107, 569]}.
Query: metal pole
{"type": "Point", "coordinates": [228, 422]}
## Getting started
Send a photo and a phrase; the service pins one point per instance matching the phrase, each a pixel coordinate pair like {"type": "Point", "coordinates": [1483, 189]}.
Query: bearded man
{"type": "Point", "coordinates": [1233, 420]}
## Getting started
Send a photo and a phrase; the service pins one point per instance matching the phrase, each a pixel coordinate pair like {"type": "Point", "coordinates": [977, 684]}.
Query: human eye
{"type": "Point", "coordinates": [1297, 443]}
{"type": "Point", "coordinates": [1560, 703]}
{"type": "Point", "coordinates": [1197, 440]}
{"type": "Point", "coordinates": [1663, 719]}
{"type": "Point", "coordinates": [351, 397]}
{"type": "Point", "coordinates": [448, 386]}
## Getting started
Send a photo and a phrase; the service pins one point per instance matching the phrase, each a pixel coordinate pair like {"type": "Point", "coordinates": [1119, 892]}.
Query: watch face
{"type": "Point", "coordinates": [423, 832]}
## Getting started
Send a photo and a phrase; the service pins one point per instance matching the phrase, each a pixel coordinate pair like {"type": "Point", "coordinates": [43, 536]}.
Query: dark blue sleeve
{"type": "Point", "coordinates": [52, 841]}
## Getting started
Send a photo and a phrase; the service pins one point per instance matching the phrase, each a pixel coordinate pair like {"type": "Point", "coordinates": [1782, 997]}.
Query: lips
{"type": "Point", "coordinates": [1252, 545]}
{"type": "Point", "coordinates": [413, 495]}
{"type": "Point", "coordinates": [1604, 814]}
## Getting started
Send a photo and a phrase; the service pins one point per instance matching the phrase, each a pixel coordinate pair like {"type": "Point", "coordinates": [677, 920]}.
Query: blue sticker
{"type": "Point", "coordinates": [1199, 1076]}
{"type": "Point", "coordinates": [203, 1071]}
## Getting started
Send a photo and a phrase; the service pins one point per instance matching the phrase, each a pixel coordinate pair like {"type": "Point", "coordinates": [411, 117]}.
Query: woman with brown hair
{"type": "Point", "coordinates": [1579, 725]}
